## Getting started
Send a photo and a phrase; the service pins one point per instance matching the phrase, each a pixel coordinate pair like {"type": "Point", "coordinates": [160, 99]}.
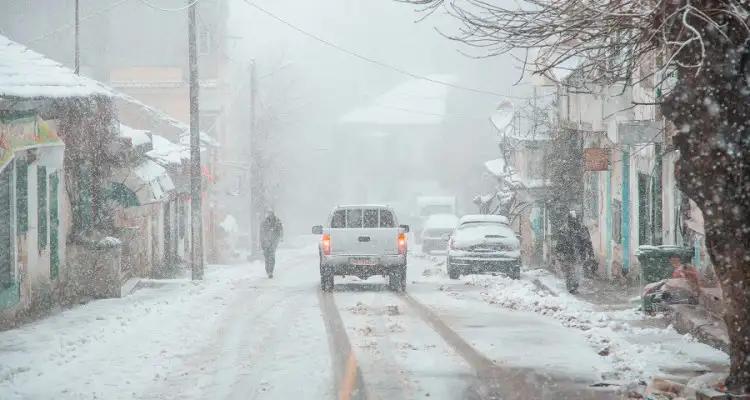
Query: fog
{"type": "Point", "coordinates": [313, 86]}
{"type": "Point", "coordinates": [408, 136]}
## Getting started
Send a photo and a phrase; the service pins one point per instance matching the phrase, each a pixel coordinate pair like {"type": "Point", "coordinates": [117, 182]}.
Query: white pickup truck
{"type": "Point", "coordinates": [362, 240]}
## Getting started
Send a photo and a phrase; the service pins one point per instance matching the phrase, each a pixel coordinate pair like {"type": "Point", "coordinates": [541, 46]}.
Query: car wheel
{"type": "Point", "coordinates": [326, 280]}
{"type": "Point", "coordinates": [453, 273]}
{"type": "Point", "coordinates": [515, 272]}
{"type": "Point", "coordinates": [397, 279]}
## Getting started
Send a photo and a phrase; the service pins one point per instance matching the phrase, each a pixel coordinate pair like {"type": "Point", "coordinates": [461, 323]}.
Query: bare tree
{"type": "Point", "coordinates": [704, 45]}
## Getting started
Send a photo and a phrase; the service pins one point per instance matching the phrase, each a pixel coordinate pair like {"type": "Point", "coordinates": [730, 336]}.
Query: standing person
{"type": "Point", "coordinates": [584, 248]}
{"type": "Point", "coordinates": [566, 251]}
{"type": "Point", "coordinates": [271, 232]}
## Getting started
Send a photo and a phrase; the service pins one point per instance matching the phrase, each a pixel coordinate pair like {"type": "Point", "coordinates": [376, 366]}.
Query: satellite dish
{"type": "Point", "coordinates": [502, 118]}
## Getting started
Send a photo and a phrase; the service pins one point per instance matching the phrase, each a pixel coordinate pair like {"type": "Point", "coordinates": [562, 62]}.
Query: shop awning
{"type": "Point", "coordinates": [149, 181]}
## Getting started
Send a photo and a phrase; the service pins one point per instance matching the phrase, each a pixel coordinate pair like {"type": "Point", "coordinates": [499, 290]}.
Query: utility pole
{"type": "Point", "coordinates": [255, 175]}
{"type": "Point", "coordinates": [196, 216]}
{"type": "Point", "coordinates": [77, 68]}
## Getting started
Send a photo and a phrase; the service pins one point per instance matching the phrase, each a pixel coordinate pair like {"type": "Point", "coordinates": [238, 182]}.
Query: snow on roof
{"type": "Point", "coordinates": [415, 102]}
{"type": "Point", "coordinates": [167, 152]}
{"type": "Point", "coordinates": [183, 129]}
{"type": "Point", "coordinates": [441, 221]}
{"type": "Point", "coordinates": [28, 74]}
{"type": "Point", "coordinates": [137, 137]}
{"type": "Point", "coordinates": [468, 219]}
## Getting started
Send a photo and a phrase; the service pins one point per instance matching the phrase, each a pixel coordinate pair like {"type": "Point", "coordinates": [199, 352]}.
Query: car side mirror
{"type": "Point", "coordinates": [405, 228]}
{"type": "Point", "coordinates": [317, 230]}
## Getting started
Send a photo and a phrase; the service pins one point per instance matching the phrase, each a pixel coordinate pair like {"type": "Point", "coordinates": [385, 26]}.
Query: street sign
{"type": "Point", "coordinates": [635, 132]}
{"type": "Point", "coordinates": [596, 159]}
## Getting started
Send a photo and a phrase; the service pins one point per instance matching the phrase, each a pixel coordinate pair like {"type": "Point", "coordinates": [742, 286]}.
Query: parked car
{"type": "Point", "coordinates": [484, 243]}
{"type": "Point", "coordinates": [437, 230]}
{"type": "Point", "coordinates": [363, 240]}
{"type": "Point", "coordinates": [428, 206]}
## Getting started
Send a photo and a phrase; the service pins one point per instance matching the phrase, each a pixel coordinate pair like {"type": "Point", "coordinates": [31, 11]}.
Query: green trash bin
{"type": "Point", "coordinates": [655, 265]}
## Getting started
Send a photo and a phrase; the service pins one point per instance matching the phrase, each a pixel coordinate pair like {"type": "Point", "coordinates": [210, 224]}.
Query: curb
{"type": "Point", "coordinates": [129, 286]}
{"type": "Point", "coordinates": [692, 320]}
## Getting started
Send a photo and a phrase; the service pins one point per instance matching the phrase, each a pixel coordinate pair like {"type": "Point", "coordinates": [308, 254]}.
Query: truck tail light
{"type": "Point", "coordinates": [326, 244]}
{"type": "Point", "coordinates": [402, 243]}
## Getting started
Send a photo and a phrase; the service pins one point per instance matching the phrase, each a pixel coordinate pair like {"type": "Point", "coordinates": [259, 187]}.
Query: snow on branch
{"type": "Point", "coordinates": [610, 37]}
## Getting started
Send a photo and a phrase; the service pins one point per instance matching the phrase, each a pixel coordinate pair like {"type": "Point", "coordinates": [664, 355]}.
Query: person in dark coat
{"type": "Point", "coordinates": [567, 252]}
{"type": "Point", "coordinates": [586, 251]}
{"type": "Point", "coordinates": [271, 232]}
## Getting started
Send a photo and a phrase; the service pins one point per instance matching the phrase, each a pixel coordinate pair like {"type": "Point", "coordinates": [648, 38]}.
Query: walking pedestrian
{"type": "Point", "coordinates": [271, 232]}
{"type": "Point", "coordinates": [584, 249]}
{"type": "Point", "coordinates": [566, 252]}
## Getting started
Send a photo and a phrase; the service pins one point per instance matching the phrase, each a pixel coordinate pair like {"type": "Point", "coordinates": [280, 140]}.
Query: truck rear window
{"type": "Point", "coordinates": [339, 219]}
{"type": "Point", "coordinates": [359, 218]}
{"type": "Point", "coordinates": [371, 219]}
{"type": "Point", "coordinates": [354, 218]}
{"type": "Point", "coordinates": [386, 219]}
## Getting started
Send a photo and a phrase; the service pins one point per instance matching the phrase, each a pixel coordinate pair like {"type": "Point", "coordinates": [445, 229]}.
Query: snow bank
{"type": "Point", "coordinates": [636, 352]}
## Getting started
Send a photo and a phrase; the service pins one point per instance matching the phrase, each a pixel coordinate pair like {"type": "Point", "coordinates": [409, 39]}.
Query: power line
{"type": "Point", "coordinates": [371, 60]}
{"type": "Point", "coordinates": [72, 25]}
{"type": "Point", "coordinates": [155, 7]}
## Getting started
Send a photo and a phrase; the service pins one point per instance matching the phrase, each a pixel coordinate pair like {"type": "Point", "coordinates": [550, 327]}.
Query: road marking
{"type": "Point", "coordinates": [347, 375]}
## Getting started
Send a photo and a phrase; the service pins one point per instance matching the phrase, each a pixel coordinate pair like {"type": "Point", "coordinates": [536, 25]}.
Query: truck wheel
{"type": "Point", "coordinates": [397, 279]}
{"type": "Point", "coordinates": [326, 280]}
{"type": "Point", "coordinates": [452, 273]}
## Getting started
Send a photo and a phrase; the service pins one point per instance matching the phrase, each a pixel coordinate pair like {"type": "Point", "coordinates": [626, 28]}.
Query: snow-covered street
{"type": "Point", "coordinates": [240, 335]}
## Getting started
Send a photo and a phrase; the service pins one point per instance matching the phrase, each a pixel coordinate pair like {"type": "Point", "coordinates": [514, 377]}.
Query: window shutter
{"type": "Point", "coordinates": [41, 193]}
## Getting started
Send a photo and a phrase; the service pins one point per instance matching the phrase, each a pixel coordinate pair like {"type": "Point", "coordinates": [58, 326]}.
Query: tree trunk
{"type": "Point", "coordinates": [711, 111]}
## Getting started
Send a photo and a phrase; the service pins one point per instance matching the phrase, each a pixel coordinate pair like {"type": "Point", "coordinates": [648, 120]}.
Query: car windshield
{"type": "Point", "coordinates": [486, 229]}
{"type": "Point", "coordinates": [374, 199]}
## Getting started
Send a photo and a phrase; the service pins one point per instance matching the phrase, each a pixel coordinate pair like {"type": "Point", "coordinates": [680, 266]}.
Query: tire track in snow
{"type": "Point", "coordinates": [348, 380]}
{"type": "Point", "coordinates": [401, 356]}
{"type": "Point", "coordinates": [497, 382]}
{"type": "Point", "coordinates": [227, 339]}
{"type": "Point", "coordinates": [253, 297]}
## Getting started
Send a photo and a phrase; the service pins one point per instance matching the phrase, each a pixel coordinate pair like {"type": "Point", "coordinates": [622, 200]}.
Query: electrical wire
{"type": "Point", "coordinates": [372, 60]}
{"type": "Point", "coordinates": [176, 9]}
{"type": "Point", "coordinates": [84, 18]}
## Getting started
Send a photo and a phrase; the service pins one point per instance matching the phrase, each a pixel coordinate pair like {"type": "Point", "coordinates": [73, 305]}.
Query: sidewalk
{"type": "Point", "coordinates": [701, 322]}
